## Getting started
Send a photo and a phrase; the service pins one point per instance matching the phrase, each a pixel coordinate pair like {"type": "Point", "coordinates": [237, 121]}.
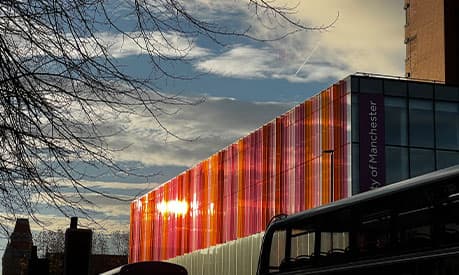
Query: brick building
{"type": "Point", "coordinates": [432, 40]}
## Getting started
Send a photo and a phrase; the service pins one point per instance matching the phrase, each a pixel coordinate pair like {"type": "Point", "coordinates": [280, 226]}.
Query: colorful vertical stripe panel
{"type": "Point", "coordinates": [279, 168]}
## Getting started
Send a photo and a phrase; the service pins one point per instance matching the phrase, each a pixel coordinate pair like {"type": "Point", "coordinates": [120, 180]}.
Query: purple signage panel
{"type": "Point", "coordinates": [372, 159]}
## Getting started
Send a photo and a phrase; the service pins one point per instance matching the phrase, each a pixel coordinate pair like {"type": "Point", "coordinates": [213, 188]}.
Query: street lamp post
{"type": "Point", "coordinates": [332, 182]}
{"type": "Point", "coordinates": [332, 172]}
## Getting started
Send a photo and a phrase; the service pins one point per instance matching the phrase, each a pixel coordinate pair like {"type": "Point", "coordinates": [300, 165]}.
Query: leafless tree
{"type": "Point", "coordinates": [119, 242]}
{"type": "Point", "coordinates": [99, 243]}
{"type": "Point", "coordinates": [49, 242]}
{"type": "Point", "coordinates": [113, 243]}
{"type": "Point", "coordinates": [60, 83]}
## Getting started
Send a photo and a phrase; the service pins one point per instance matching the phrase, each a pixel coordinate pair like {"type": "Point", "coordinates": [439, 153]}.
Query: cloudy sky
{"type": "Point", "coordinates": [245, 84]}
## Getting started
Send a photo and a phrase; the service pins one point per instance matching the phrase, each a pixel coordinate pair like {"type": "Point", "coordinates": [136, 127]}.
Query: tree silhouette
{"type": "Point", "coordinates": [60, 84]}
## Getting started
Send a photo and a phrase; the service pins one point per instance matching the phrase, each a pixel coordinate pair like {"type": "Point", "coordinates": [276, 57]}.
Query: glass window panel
{"type": "Point", "coordinates": [446, 92]}
{"type": "Point", "coordinates": [421, 123]}
{"type": "Point", "coordinates": [325, 242]}
{"type": "Point", "coordinates": [422, 161]}
{"type": "Point", "coordinates": [395, 88]}
{"type": "Point", "coordinates": [447, 125]}
{"type": "Point", "coordinates": [354, 84]}
{"type": "Point", "coordinates": [355, 118]}
{"type": "Point", "coordinates": [447, 158]}
{"type": "Point", "coordinates": [277, 248]}
{"type": "Point", "coordinates": [355, 169]}
{"type": "Point", "coordinates": [396, 164]}
{"type": "Point", "coordinates": [420, 90]}
{"type": "Point", "coordinates": [302, 245]}
{"type": "Point", "coordinates": [370, 85]}
{"type": "Point", "coordinates": [341, 241]}
{"type": "Point", "coordinates": [395, 121]}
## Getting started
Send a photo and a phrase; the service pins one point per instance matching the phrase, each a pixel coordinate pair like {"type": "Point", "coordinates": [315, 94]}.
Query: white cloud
{"type": "Point", "coordinates": [211, 10]}
{"type": "Point", "coordinates": [248, 62]}
{"type": "Point", "coordinates": [110, 214]}
{"type": "Point", "coordinates": [211, 125]}
{"type": "Point", "coordinates": [134, 187]}
{"type": "Point", "coordinates": [56, 221]}
{"type": "Point", "coordinates": [241, 61]}
{"type": "Point", "coordinates": [368, 36]}
{"type": "Point", "coordinates": [169, 44]}
{"type": "Point", "coordinates": [118, 45]}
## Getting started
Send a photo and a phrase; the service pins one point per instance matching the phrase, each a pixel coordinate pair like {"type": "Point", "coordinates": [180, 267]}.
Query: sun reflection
{"type": "Point", "coordinates": [194, 206]}
{"type": "Point", "coordinates": [173, 207]}
{"type": "Point", "coordinates": [212, 209]}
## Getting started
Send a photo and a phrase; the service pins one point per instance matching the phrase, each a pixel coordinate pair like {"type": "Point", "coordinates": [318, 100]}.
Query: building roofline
{"type": "Point", "coordinates": [394, 77]}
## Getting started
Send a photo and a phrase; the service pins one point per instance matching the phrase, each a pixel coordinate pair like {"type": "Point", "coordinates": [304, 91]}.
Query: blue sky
{"type": "Point", "coordinates": [245, 83]}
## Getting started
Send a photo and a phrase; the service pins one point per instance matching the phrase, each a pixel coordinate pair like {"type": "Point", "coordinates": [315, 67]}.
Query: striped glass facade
{"type": "Point", "coordinates": [279, 168]}
{"type": "Point", "coordinates": [367, 131]}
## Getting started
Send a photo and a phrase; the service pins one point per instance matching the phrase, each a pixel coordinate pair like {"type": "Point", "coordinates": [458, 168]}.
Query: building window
{"type": "Point", "coordinates": [371, 85]}
{"type": "Point", "coordinates": [448, 93]}
{"type": "Point", "coordinates": [355, 169]}
{"type": "Point", "coordinates": [395, 88]}
{"type": "Point", "coordinates": [447, 125]}
{"type": "Point", "coordinates": [421, 126]}
{"type": "Point", "coordinates": [395, 111]}
{"type": "Point", "coordinates": [447, 159]}
{"type": "Point", "coordinates": [396, 164]}
{"type": "Point", "coordinates": [420, 90]}
{"type": "Point", "coordinates": [355, 118]}
{"type": "Point", "coordinates": [407, 13]}
{"type": "Point", "coordinates": [422, 161]}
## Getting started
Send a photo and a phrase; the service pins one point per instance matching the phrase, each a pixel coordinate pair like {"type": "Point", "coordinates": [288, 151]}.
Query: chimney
{"type": "Point", "coordinates": [73, 222]}
{"type": "Point", "coordinates": [77, 253]}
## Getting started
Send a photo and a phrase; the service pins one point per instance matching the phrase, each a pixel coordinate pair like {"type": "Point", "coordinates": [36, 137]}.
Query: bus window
{"type": "Point", "coordinates": [277, 253]}
{"type": "Point", "coordinates": [447, 215]}
{"type": "Point", "coordinates": [302, 244]}
{"type": "Point", "coordinates": [373, 234]}
{"type": "Point", "coordinates": [334, 243]}
{"type": "Point", "coordinates": [451, 233]}
{"type": "Point", "coordinates": [415, 228]}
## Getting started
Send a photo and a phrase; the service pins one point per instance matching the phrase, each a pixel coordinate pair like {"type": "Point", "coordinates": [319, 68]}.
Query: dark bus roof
{"type": "Point", "coordinates": [387, 190]}
{"type": "Point", "coordinates": [148, 267]}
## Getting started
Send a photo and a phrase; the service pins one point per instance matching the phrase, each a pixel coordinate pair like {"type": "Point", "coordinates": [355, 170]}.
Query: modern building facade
{"type": "Point", "coordinates": [362, 133]}
{"type": "Point", "coordinates": [432, 40]}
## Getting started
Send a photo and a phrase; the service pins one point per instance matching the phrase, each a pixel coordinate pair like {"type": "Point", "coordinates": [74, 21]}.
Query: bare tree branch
{"type": "Point", "coordinates": [60, 83]}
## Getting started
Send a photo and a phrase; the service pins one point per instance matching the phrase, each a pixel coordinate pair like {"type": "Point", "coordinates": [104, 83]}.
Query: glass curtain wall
{"type": "Point", "coordinates": [279, 168]}
{"type": "Point", "coordinates": [421, 126]}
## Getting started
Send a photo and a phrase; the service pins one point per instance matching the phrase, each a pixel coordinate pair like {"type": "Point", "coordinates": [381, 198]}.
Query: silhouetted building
{"type": "Point", "coordinates": [99, 263]}
{"type": "Point", "coordinates": [20, 257]}
{"type": "Point", "coordinates": [56, 263]}
{"type": "Point", "coordinates": [432, 40]}
{"type": "Point", "coordinates": [38, 266]}
{"type": "Point", "coordinates": [18, 250]}
{"type": "Point", "coordinates": [77, 254]}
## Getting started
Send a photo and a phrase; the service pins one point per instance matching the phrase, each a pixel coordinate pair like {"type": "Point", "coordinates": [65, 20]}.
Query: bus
{"type": "Point", "coordinates": [406, 228]}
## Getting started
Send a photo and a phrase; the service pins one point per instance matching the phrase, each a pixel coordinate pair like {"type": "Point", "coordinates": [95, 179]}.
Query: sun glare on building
{"type": "Point", "coordinates": [173, 207]}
